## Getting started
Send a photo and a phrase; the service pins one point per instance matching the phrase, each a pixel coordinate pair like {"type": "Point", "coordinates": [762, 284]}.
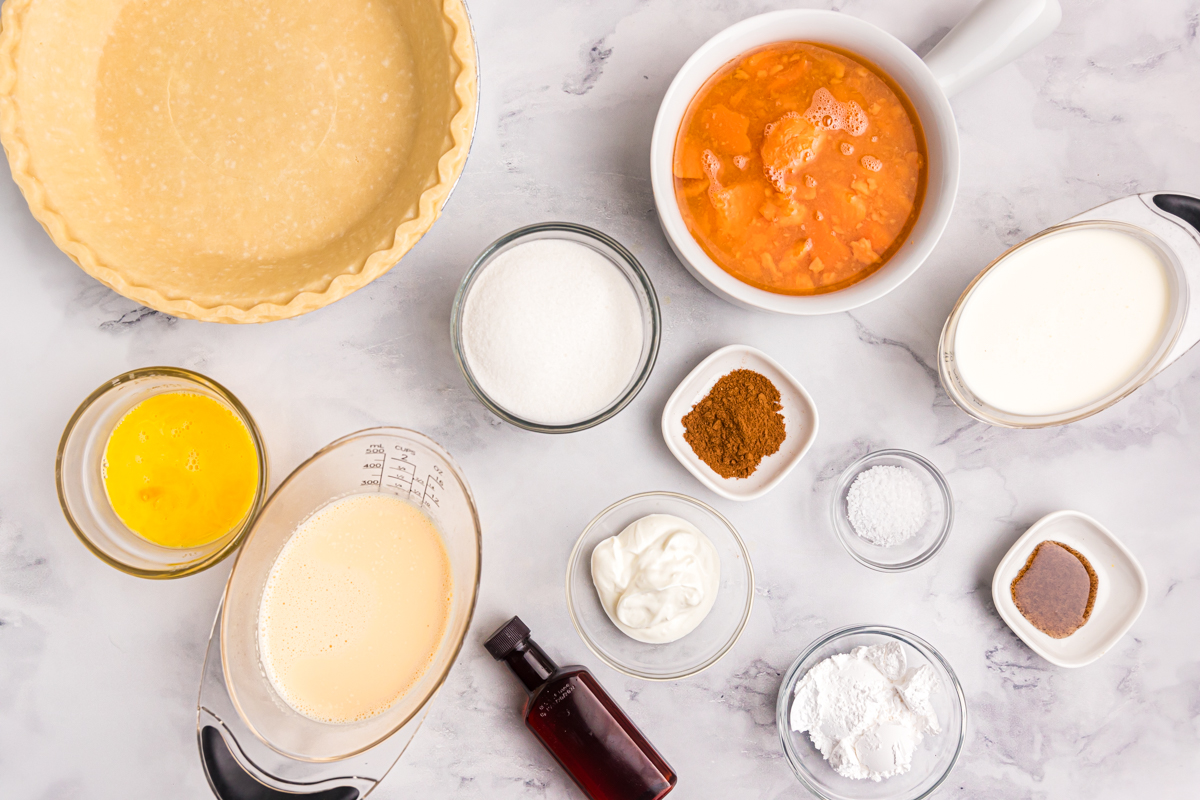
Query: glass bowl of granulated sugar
{"type": "Point", "coordinates": [892, 510]}
{"type": "Point", "coordinates": [555, 327]}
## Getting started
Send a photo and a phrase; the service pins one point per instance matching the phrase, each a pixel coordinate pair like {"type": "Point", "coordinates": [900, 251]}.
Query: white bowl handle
{"type": "Point", "coordinates": [994, 33]}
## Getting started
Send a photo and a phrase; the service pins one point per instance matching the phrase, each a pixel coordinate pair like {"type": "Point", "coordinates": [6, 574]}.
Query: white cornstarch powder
{"type": "Point", "coordinates": [866, 711]}
{"type": "Point", "coordinates": [552, 331]}
{"type": "Point", "coordinates": [887, 505]}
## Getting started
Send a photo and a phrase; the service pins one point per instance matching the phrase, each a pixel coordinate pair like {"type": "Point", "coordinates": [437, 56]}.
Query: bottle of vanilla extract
{"type": "Point", "coordinates": [581, 726]}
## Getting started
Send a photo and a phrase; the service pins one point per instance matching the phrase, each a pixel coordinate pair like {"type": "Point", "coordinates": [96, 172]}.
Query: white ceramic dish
{"type": "Point", "coordinates": [995, 32]}
{"type": "Point", "coordinates": [1120, 588]}
{"type": "Point", "coordinates": [799, 415]}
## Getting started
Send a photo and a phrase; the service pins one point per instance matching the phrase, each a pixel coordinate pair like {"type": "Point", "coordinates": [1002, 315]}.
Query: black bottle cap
{"type": "Point", "coordinates": [506, 639]}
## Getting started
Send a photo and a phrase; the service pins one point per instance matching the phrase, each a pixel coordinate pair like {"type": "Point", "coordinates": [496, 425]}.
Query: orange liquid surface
{"type": "Point", "coordinates": [800, 169]}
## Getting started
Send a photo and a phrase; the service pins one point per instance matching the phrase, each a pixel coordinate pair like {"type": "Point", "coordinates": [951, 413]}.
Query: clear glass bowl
{"type": "Point", "coordinates": [701, 648]}
{"type": "Point", "coordinates": [958, 390]}
{"type": "Point", "coordinates": [934, 758]}
{"type": "Point", "coordinates": [622, 260]}
{"type": "Point", "coordinates": [394, 460]}
{"type": "Point", "coordinates": [927, 541]}
{"type": "Point", "coordinates": [81, 493]}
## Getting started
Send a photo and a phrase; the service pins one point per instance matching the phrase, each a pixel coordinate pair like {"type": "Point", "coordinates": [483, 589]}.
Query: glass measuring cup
{"type": "Point", "coordinates": [959, 391]}
{"type": "Point", "coordinates": [393, 460]}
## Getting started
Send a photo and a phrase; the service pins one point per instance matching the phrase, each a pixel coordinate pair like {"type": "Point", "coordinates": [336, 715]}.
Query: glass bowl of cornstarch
{"type": "Point", "coordinates": [892, 510]}
{"type": "Point", "coordinates": [556, 327]}
{"type": "Point", "coordinates": [870, 712]}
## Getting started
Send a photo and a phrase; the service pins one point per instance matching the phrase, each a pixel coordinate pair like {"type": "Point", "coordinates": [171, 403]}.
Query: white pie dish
{"type": "Point", "coordinates": [799, 415]}
{"type": "Point", "coordinates": [1121, 588]}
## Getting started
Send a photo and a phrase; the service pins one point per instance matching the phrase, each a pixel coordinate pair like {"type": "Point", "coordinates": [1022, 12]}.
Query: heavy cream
{"type": "Point", "coordinates": [657, 579]}
{"type": "Point", "coordinates": [355, 608]}
{"type": "Point", "coordinates": [1063, 321]}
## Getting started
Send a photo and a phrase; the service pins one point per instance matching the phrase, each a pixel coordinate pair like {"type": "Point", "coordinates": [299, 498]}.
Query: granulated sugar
{"type": "Point", "coordinates": [887, 505]}
{"type": "Point", "coordinates": [552, 331]}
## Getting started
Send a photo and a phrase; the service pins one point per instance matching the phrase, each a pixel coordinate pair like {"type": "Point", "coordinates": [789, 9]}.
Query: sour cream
{"type": "Point", "coordinates": [1063, 321]}
{"type": "Point", "coordinates": [657, 579]}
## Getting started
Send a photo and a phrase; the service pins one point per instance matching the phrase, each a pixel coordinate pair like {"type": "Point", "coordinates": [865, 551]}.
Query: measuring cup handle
{"type": "Point", "coordinates": [230, 781]}
{"type": "Point", "coordinates": [993, 34]}
{"type": "Point", "coordinates": [1183, 206]}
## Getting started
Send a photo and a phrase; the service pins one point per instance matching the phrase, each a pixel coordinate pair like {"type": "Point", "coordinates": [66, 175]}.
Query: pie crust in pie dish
{"type": "Point", "coordinates": [236, 160]}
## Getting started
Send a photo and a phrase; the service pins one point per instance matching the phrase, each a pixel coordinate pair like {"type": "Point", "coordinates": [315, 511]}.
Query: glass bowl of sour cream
{"type": "Point", "coordinates": [930, 760]}
{"type": "Point", "coordinates": [693, 652]}
{"type": "Point", "coordinates": [555, 327]}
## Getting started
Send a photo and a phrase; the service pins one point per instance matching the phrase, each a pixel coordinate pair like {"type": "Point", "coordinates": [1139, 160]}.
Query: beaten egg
{"type": "Point", "coordinates": [180, 469]}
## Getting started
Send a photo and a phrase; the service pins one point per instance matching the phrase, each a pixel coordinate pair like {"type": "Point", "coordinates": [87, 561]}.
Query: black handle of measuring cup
{"type": "Point", "coordinates": [1184, 206]}
{"type": "Point", "coordinates": [230, 781]}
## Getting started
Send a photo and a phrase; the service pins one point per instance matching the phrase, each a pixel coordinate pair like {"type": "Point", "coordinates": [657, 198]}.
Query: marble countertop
{"type": "Point", "coordinates": [99, 671]}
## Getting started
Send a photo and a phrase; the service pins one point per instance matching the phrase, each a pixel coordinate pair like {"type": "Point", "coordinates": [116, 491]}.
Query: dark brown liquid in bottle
{"type": "Point", "coordinates": [581, 726]}
{"type": "Point", "coordinates": [1056, 589]}
{"type": "Point", "coordinates": [595, 742]}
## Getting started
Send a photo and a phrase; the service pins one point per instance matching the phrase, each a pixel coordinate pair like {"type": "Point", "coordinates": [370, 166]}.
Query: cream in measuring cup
{"type": "Point", "coordinates": [355, 607]}
{"type": "Point", "coordinates": [1063, 320]}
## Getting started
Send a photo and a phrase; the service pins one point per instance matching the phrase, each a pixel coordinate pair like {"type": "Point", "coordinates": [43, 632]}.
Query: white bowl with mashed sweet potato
{"type": "Point", "coordinates": [790, 282]}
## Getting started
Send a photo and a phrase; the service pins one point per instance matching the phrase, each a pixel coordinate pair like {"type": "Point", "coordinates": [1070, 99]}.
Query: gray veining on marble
{"type": "Point", "coordinates": [99, 671]}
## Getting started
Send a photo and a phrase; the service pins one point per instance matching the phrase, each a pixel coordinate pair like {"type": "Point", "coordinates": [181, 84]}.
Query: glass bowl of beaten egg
{"type": "Point", "coordinates": [184, 416]}
{"type": "Point", "coordinates": [697, 650]}
{"type": "Point", "coordinates": [934, 757]}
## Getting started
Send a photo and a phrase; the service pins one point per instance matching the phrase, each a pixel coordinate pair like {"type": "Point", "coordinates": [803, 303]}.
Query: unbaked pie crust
{"type": "Point", "coordinates": [236, 160]}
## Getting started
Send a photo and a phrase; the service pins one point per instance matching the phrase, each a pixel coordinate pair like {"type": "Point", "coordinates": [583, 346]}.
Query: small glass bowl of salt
{"type": "Point", "coordinates": [892, 510]}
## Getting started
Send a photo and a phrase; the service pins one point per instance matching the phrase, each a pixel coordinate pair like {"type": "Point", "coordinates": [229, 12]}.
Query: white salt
{"type": "Point", "coordinates": [552, 331]}
{"type": "Point", "coordinates": [887, 505]}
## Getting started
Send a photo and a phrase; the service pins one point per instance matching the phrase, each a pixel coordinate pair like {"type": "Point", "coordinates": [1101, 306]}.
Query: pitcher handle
{"type": "Point", "coordinates": [993, 34]}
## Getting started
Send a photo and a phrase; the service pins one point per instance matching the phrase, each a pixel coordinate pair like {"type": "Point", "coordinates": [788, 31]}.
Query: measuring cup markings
{"type": "Point", "coordinates": [397, 472]}
{"type": "Point", "coordinates": [433, 483]}
{"type": "Point", "coordinates": [375, 455]}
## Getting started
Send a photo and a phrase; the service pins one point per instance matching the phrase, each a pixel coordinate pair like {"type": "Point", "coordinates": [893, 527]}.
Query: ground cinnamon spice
{"type": "Point", "coordinates": [737, 424]}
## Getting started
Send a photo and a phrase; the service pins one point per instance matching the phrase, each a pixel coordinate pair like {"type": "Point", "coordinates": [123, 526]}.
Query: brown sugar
{"type": "Point", "coordinates": [1056, 589]}
{"type": "Point", "coordinates": [737, 424]}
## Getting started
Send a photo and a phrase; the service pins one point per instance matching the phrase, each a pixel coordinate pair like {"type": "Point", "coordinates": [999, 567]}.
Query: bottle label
{"type": "Point", "coordinates": [552, 699]}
